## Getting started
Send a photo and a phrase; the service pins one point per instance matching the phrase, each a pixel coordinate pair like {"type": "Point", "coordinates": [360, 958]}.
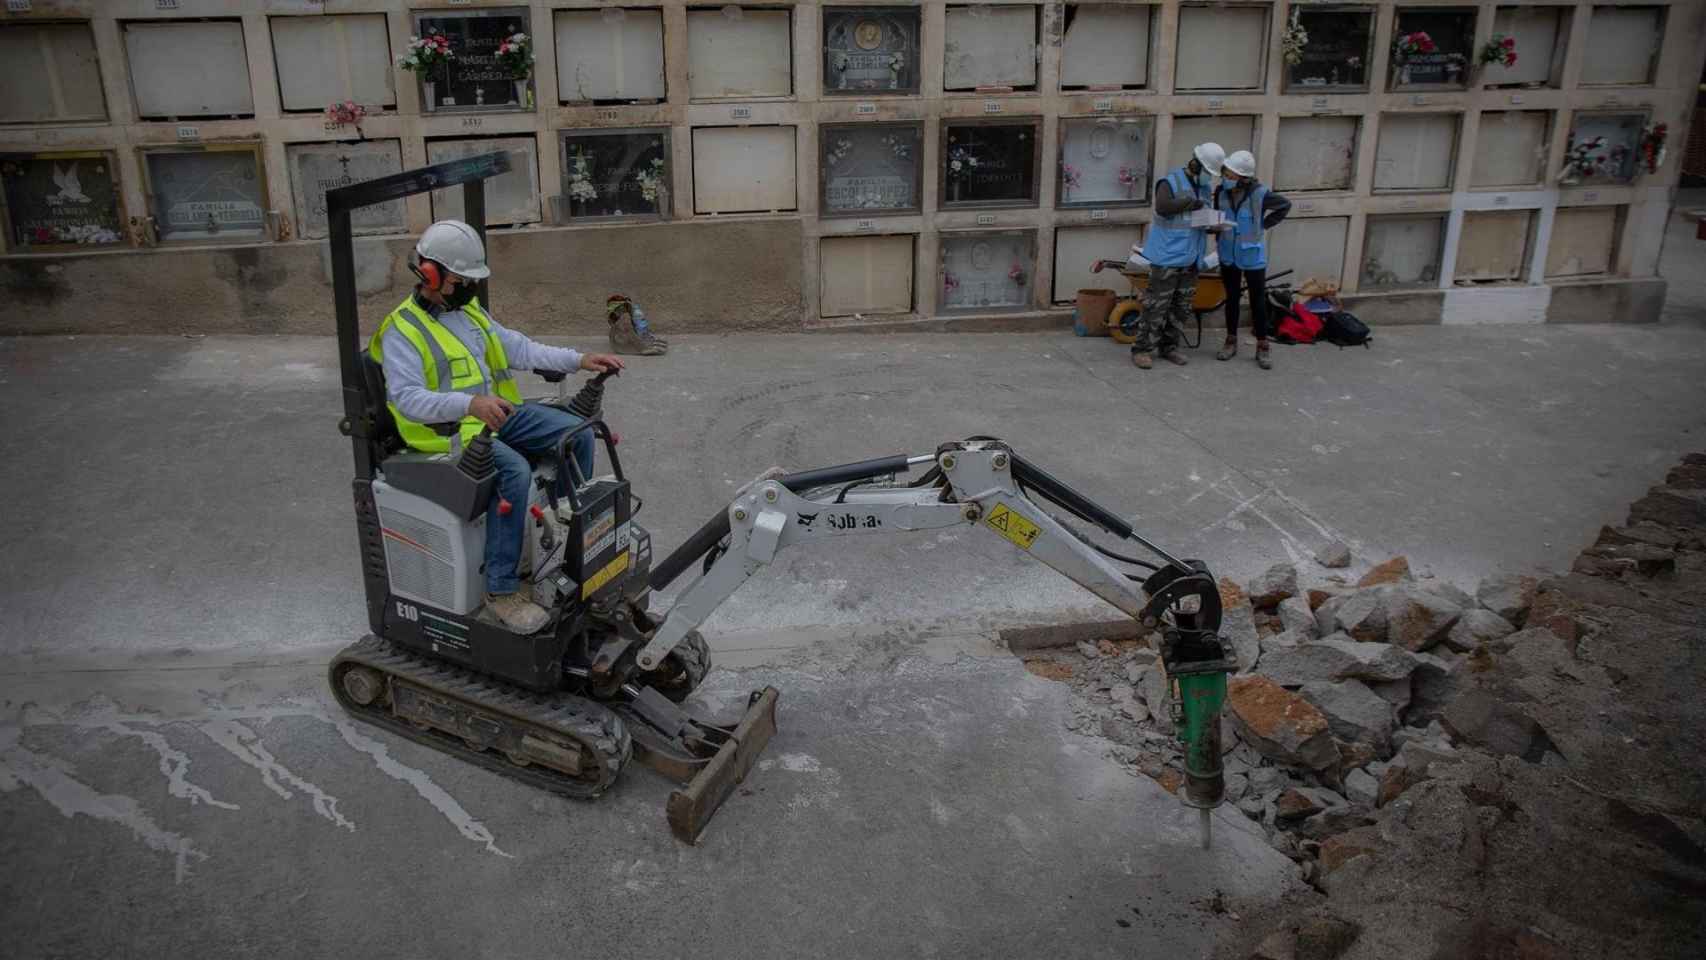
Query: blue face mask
{"type": "Point", "coordinates": [1203, 179]}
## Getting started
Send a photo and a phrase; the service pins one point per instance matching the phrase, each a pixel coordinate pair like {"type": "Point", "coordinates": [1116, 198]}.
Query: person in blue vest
{"type": "Point", "coordinates": [448, 361]}
{"type": "Point", "coordinates": [1252, 210]}
{"type": "Point", "coordinates": [1174, 250]}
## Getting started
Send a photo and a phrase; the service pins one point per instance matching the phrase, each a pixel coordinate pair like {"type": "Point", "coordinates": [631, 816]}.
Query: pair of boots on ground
{"type": "Point", "coordinates": [1171, 354]}
{"type": "Point", "coordinates": [630, 334]}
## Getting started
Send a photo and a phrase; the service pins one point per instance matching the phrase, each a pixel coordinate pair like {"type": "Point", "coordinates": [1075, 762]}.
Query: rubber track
{"type": "Point", "coordinates": [600, 732]}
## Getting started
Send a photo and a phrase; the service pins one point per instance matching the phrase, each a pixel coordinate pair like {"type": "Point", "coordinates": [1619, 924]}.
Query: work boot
{"type": "Point", "coordinates": [518, 613]}
{"type": "Point", "coordinates": [1172, 355]}
{"type": "Point", "coordinates": [1142, 360]}
{"type": "Point", "coordinates": [1228, 351]}
{"type": "Point", "coordinates": [1262, 358]}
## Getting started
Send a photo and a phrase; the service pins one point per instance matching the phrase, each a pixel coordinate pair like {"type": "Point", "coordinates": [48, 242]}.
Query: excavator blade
{"type": "Point", "coordinates": [693, 806]}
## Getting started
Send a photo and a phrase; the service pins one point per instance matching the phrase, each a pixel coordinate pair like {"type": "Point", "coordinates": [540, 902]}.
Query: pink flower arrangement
{"type": "Point", "coordinates": [346, 113]}
{"type": "Point", "coordinates": [1500, 49]}
{"type": "Point", "coordinates": [427, 53]}
{"type": "Point", "coordinates": [1409, 44]}
{"type": "Point", "coordinates": [1070, 175]}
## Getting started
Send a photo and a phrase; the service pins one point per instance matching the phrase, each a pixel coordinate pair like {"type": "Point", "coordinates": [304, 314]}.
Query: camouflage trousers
{"type": "Point", "coordinates": [1166, 307]}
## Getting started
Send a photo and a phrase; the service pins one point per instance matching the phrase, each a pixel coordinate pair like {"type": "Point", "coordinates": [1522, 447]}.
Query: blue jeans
{"type": "Point", "coordinates": [532, 429]}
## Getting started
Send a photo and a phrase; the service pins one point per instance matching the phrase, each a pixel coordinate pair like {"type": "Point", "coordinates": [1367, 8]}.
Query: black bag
{"type": "Point", "coordinates": [1344, 329]}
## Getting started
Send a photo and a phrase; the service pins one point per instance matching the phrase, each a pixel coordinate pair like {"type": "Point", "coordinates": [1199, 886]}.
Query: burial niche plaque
{"type": "Point", "coordinates": [870, 168]}
{"type": "Point", "coordinates": [870, 50]}
{"type": "Point", "coordinates": [60, 199]}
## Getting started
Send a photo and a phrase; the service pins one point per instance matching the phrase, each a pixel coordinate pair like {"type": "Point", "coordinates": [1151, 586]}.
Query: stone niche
{"type": "Point", "coordinates": [1105, 161]}
{"type": "Point", "coordinates": [870, 50]}
{"type": "Point", "coordinates": [870, 169]}
{"type": "Point", "coordinates": [1625, 45]}
{"type": "Point", "coordinates": [61, 200]}
{"type": "Point", "coordinates": [212, 192]}
{"type": "Point", "coordinates": [473, 80]}
{"type": "Point", "coordinates": [1232, 133]}
{"type": "Point", "coordinates": [327, 59]}
{"type": "Point", "coordinates": [744, 169]}
{"type": "Point", "coordinates": [1613, 154]}
{"type": "Point", "coordinates": [1402, 252]}
{"type": "Point", "coordinates": [1339, 51]}
{"type": "Point", "coordinates": [1316, 153]}
{"type": "Point", "coordinates": [990, 46]}
{"type": "Point", "coordinates": [1510, 148]}
{"type": "Point", "coordinates": [1076, 250]}
{"type": "Point", "coordinates": [1222, 47]}
{"type": "Point", "coordinates": [318, 167]}
{"type": "Point", "coordinates": [739, 52]}
{"type": "Point", "coordinates": [987, 270]}
{"type": "Point", "coordinates": [195, 68]}
{"type": "Point", "coordinates": [1584, 242]}
{"type": "Point", "coordinates": [610, 174]}
{"type": "Point", "coordinates": [990, 163]}
{"type": "Point", "coordinates": [511, 198]}
{"type": "Point", "coordinates": [1416, 151]}
{"type": "Point", "coordinates": [1541, 34]}
{"type": "Point", "coordinates": [1493, 246]}
{"type": "Point", "coordinates": [1311, 246]}
{"type": "Point", "coordinates": [1106, 47]}
{"type": "Point", "coordinates": [49, 72]}
{"type": "Point", "coordinates": [1452, 29]}
{"type": "Point", "coordinates": [613, 55]}
{"type": "Point", "coordinates": [869, 275]}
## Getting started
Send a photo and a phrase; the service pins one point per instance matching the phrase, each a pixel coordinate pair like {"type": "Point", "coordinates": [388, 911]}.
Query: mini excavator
{"type": "Point", "coordinates": [566, 708]}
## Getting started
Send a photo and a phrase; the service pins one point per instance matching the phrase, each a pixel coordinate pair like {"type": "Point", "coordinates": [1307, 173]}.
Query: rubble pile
{"type": "Point", "coordinates": [1516, 772]}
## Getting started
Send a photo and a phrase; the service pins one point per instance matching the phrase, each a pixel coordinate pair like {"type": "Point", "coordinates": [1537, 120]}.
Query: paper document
{"type": "Point", "coordinates": [1207, 217]}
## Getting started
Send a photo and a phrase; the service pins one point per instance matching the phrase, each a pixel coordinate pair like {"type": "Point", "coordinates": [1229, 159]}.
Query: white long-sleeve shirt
{"type": "Point", "coordinates": [404, 365]}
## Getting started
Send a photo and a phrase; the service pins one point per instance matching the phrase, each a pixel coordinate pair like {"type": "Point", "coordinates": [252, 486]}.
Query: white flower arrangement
{"type": "Point", "coordinates": [580, 181]}
{"type": "Point", "coordinates": [650, 180]}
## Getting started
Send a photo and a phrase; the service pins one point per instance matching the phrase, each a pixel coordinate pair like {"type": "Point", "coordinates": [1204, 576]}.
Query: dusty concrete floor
{"type": "Point", "coordinates": [182, 563]}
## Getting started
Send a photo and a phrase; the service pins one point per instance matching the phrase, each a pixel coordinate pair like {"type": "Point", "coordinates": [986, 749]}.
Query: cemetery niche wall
{"type": "Point", "coordinates": [511, 198]}
{"type": "Point", "coordinates": [1402, 252]}
{"type": "Point", "coordinates": [473, 79]}
{"type": "Point", "coordinates": [1337, 54]}
{"type": "Point", "coordinates": [613, 55]}
{"type": "Point", "coordinates": [870, 50]}
{"type": "Point", "coordinates": [1105, 161]}
{"type": "Point", "coordinates": [616, 173]}
{"type": "Point", "coordinates": [1602, 148]}
{"type": "Point", "coordinates": [61, 200]}
{"type": "Point", "coordinates": [990, 162]}
{"type": "Point", "coordinates": [211, 192]}
{"type": "Point", "coordinates": [870, 169]}
{"type": "Point", "coordinates": [1106, 47]}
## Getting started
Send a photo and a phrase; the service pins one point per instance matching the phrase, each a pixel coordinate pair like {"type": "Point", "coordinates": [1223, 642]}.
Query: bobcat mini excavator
{"type": "Point", "coordinates": [565, 709]}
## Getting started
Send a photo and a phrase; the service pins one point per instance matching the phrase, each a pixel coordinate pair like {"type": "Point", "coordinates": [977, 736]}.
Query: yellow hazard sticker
{"type": "Point", "coordinates": [606, 575]}
{"type": "Point", "coordinates": [1013, 525]}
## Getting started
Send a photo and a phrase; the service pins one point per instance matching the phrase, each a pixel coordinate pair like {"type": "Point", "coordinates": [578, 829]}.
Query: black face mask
{"type": "Point", "coordinates": [460, 296]}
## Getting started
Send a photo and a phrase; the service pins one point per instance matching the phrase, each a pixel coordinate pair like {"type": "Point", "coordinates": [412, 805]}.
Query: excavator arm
{"type": "Point", "coordinates": [980, 483]}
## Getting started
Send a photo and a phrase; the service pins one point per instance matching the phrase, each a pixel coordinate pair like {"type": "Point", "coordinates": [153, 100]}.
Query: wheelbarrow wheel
{"type": "Point", "coordinates": [1116, 320]}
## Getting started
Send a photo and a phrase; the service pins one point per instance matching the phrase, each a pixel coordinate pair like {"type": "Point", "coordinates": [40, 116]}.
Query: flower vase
{"type": "Point", "coordinates": [954, 191]}
{"type": "Point", "coordinates": [1404, 74]}
{"type": "Point", "coordinates": [521, 91]}
{"type": "Point", "coordinates": [431, 89]}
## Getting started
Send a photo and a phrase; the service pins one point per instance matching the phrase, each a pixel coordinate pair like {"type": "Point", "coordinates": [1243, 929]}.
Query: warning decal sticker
{"type": "Point", "coordinates": [1013, 526]}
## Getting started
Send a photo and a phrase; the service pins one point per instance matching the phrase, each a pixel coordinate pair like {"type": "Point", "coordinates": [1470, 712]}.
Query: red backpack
{"type": "Point", "coordinates": [1298, 325]}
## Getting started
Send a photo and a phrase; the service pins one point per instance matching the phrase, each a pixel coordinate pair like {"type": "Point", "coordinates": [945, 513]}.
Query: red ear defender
{"type": "Point", "coordinates": [430, 275]}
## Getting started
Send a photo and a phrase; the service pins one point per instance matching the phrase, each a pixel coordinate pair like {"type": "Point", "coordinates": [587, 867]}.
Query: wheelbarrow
{"type": "Point", "coordinates": [1211, 294]}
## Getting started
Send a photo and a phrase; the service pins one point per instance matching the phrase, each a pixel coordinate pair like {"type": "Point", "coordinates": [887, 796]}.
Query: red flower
{"type": "Point", "coordinates": [44, 235]}
{"type": "Point", "coordinates": [1510, 43]}
{"type": "Point", "coordinates": [1510, 61]}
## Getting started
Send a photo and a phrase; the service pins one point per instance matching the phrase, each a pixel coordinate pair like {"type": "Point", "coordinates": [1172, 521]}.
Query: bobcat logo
{"type": "Point", "coordinates": [807, 519]}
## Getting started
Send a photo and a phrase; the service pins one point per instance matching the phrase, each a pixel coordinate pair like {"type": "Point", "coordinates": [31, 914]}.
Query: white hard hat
{"type": "Point", "coordinates": [457, 246]}
{"type": "Point", "coordinates": [1211, 156]}
{"type": "Point", "coordinates": [1242, 162]}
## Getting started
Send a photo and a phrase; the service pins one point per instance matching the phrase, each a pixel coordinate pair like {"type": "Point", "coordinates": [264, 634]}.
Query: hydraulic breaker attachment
{"type": "Point", "coordinates": [710, 760]}
{"type": "Point", "coordinates": [1197, 661]}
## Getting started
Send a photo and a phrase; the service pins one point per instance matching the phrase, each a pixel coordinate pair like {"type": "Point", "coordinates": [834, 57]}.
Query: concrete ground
{"type": "Point", "coordinates": [183, 563]}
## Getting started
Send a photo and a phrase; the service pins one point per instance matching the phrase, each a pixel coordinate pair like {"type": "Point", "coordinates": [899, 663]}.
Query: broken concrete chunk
{"type": "Point", "coordinates": [1671, 507]}
{"type": "Point", "coordinates": [1299, 802]}
{"type": "Point", "coordinates": [1296, 617]}
{"type": "Point", "coordinates": [1337, 657]}
{"type": "Point", "coordinates": [1238, 625]}
{"type": "Point", "coordinates": [1394, 570]}
{"type": "Point", "coordinates": [1089, 650]}
{"type": "Point", "coordinates": [1279, 723]}
{"type": "Point", "coordinates": [1353, 711]}
{"type": "Point", "coordinates": [1479, 718]}
{"type": "Point", "coordinates": [1267, 779]}
{"type": "Point", "coordinates": [1363, 616]}
{"type": "Point", "coordinates": [1337, 850]}
{"type": "Point", "coordinates": [1395, 692]}
{"type": "Point", "coordinates": [1278, 583]}
{"type": "Point", "coordinates": [1325, 938]}
{"type": "Point", "coordinates": [1334, 555]}
{"type": "Point", "coordinates": [1476, 627]}
{"type": "Point", "coordinates": [1361, 788]}
{"type": "Point", "coordinates": [1331, 821]}
{"type": "Point", "coordinates": [1508, 596]}
{"type": "Point", "coordinates": [1436, 683]}
{"type": "Point", "coordinates": [1450, 591]}
{"type": "Point", "coordinates": [1417, 619]}
{"type": "Point", "coordinates": [1279, 945]}
{"type": "Point", "coordinates": [1327, 614]}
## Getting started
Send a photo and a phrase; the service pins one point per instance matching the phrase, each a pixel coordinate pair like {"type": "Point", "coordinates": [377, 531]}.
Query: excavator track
{"type": "Point", "coordinates": [568, 745]}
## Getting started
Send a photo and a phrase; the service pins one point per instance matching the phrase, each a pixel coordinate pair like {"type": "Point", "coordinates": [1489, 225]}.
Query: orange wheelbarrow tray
{"type": "Point", "coordinates": [1211, 294]}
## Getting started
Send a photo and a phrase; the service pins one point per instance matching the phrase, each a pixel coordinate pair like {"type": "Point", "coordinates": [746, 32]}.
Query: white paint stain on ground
{"type": "Point", "coordinates": [432, 793]}
{"type": "Point", "coordinates": [174, 763]}
{"type": "Point", "coordinates": [800, 763]}
{"type": "Point", "coordinates": [245, 744]}
{"type": "Point", "coordinates": [56, 782]}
